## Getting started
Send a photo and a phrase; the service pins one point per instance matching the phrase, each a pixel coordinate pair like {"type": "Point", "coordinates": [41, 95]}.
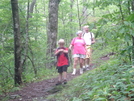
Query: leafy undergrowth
{"type": "Point", "coordinates": [42, 75]}
{"type": "Point", "coordinates": [111, 81]}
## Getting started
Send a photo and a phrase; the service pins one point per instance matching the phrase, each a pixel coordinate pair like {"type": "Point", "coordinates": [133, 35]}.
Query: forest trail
{"type": "Point", "coordinates": [38, 90]}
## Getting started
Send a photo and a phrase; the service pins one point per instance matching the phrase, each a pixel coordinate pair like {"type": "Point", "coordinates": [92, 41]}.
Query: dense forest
{"type": "Point", "coordinates": [29, 30]}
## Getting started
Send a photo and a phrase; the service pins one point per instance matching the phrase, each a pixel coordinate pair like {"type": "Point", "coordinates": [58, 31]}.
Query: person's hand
{"type": "Point", "coordinates": [93, 42]}
{"type": "Point", "coordinates": [61, 50]}
{"type": "Point", "coordinates": [86, 50]}
{"type": "Point", "coordinates": [70, 47]}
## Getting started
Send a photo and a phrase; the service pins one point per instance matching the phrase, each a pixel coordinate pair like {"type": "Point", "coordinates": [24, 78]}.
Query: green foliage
{"type": "Point", "coordinates": [113, 32]}
{"type": "Point", "coordinates": [111, 81]}
{"type": "Point", "coordinates": [34, 66]}
{"type": "Point", "coordinates": [6, 72]}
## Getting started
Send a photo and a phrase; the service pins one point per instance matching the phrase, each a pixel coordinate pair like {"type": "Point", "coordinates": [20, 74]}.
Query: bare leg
{"type": "Point", "coordinates": [88, 61]}
{"type": "Point", "coordinates": [74, 65]}
{"type": "Point", "coordinates": [75, 62]}
{"type": "Point", "coordinates": [81, 65]}
{"type": "Point", "coordinates": [65, 75]}
{"type": "Point", "coordinates": [60, 77]}
{"type": "Point", "coordinates": [84, 63]}
{"type": "Point", "coordinates": [81, 62]}
{"type": "Point", "coordinates": [88, 57]}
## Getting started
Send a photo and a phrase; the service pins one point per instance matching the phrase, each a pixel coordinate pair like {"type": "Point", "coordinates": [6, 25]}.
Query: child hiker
{"type": "Point", "coordinates": [62, 62]}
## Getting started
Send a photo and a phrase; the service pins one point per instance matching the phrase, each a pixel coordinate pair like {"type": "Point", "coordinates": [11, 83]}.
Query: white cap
{"type": "Point", "coordinates": [61, 41]}
{"type": "Point", "coordinates": [78, 32]}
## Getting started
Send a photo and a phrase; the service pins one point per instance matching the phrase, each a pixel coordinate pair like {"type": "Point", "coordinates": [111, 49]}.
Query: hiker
{"type": "Point", "coordinates": [78, 50]}
{"type": "Point", "coordinates": [89, 39]}
{"type": "Point", "coordinates": [62, 62]}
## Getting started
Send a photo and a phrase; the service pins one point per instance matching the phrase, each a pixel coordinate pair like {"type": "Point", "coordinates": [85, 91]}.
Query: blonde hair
{"type": "Point", "coordinates": [61, 41]}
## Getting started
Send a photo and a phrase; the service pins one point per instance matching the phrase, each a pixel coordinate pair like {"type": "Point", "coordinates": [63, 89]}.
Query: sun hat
{"type": "Point", "coordinates": [78, 32]}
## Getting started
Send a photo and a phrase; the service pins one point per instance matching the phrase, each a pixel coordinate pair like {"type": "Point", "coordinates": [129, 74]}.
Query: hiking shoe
{"type": "Point", "coordinates": [58, 83]}
{"type": "Point", "coordinates": [74, 72]}
{"type": "Point", "coordinates": [87, 66]}
{"type": "Point", "coordinates": [65, 82]}
{"type": "Point", "coordinates": [81, 70]}
{"type": "Point", "coordinates": [84, 68]}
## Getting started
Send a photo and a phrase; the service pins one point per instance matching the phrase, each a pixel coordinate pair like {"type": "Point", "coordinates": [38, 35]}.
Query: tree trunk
{"type": "Point", "coordinates": [133, 37]}
{"type": "Point", "coordinates": [27, 47]}
{"type": "Point", "coordinates": [30, 10]}
{"type": "Point", "coordinates": [129, 7]}
{"type": "Point", "coordinates": [71, 18]}
{"type": "Point", "coordinates": [133, 6]}
{"type": "Point", "coordinates": [71, 28]}
{"type": "Point", "coordinates": [71, 12]}
{"type": "Point", "coordinates": [84, 14]}
{"type": "Point", "coordinates": [94, 2]}
{"type": "Point", "coordinates": [133, 50]}
{"type": "Point", "coordinates": [52, 31]}
{"type": "Point", "coordinates": [78, 10]}
{"type": "Point", "coordinates": [32, 7]}
{"type": "Point", "coordinates": [120, 8]}
{"type": "Point", "coordinates": [17, 42]}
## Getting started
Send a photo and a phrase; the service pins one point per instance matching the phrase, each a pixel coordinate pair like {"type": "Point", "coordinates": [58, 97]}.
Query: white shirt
{"type": "Point", "coordinates": [87, 37]}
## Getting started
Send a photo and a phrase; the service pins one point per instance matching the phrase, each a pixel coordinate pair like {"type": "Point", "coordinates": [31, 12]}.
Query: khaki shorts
{"type": "Point", "coordinates": [89, 51]}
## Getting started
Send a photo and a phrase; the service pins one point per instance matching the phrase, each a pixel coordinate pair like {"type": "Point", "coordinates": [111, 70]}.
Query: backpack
{"type": "Point", "coordinates": [90, 34]}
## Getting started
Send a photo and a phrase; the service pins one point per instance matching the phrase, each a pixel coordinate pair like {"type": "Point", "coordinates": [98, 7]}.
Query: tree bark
{"type": "Point", "coordinates": [129, 9]}
{"type": "Point", "coordinates": [120, 8]}
{"type": "Point", "coordinates": [32, 7]}
{"type": "Point", "coordinates": [94, 2]}
{"type": "Point", "coordinates": [133, 36]}
{"type": "Point", "coordinates": [78, 10]}
{"type": "Point", "coordinates": [17, 42]}
{"type": "Point", "coordinates": [71, 12]}
{"type": "Point", "coordinates": [84, 13]}
{"type": "Point", "coordinates": [133, 6]}
{"type": "Point", "coordinates": [52, 31]}
{"type": "Point", "coordinates": [71, 18]}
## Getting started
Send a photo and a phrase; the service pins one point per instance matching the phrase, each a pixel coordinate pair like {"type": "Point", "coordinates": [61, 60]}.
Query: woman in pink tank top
{"type": "Point", "coordinates": [79, 51]}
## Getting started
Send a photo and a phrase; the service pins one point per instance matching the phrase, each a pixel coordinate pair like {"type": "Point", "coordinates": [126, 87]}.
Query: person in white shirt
{"type": "Point", "coordinates": [89, 39]}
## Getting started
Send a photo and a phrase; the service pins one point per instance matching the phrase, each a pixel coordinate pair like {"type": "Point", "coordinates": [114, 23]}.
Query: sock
{"type": "Point", "coordinates": [84, 66]}
{"type": "Point", "coordinates": [74, 71]}
{"type": "Point", "coordinates": [87, 66]}
{"type": "Point", "coordinates": [81, 70]}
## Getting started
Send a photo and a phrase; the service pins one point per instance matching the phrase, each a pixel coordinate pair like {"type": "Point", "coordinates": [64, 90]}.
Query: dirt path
{"type": "Point", "coordinates": [42, 89]}
{"type": "Point", "coordinates": [39, 89]}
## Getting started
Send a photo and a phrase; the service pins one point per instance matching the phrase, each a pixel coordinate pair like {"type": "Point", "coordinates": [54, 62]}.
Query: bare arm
{"type": "Point", "coordinates": [65, 51]}
{"type": "Point", "coordinates": [61, 50]}
{"type": "Point", "coordinates": [70, 47]}
{"type": "Point", "coordinates": [57, 52]}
